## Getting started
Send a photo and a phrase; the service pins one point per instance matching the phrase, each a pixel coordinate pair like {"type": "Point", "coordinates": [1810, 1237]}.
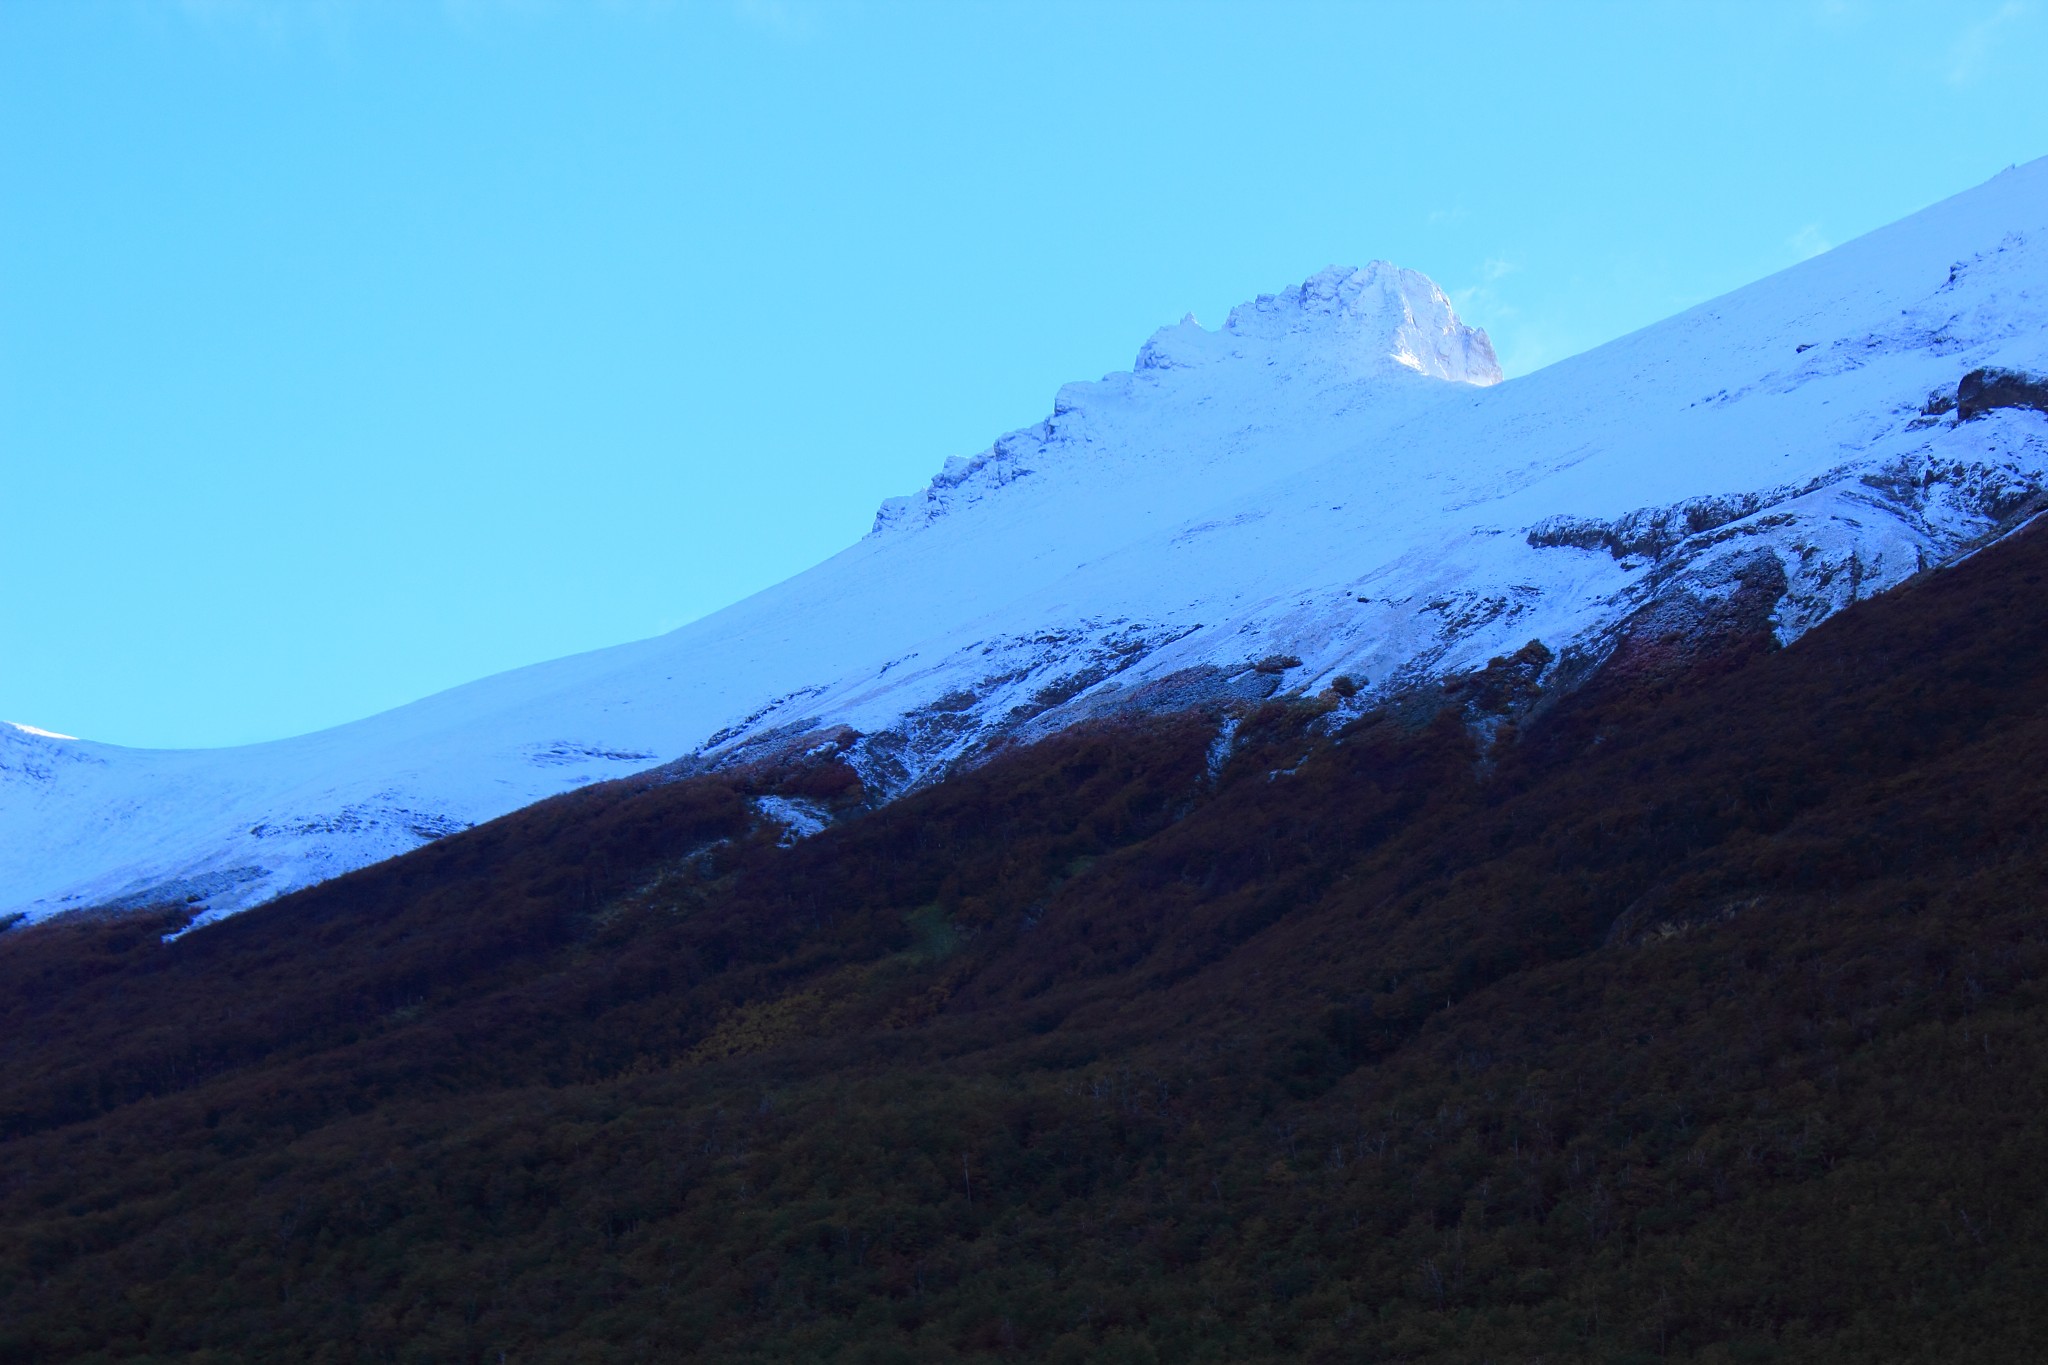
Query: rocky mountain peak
{"type": "Point", "coordinates": [1342, 327]}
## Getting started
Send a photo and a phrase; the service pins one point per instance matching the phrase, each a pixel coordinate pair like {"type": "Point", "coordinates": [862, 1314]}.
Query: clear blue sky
{"type": "Point", "coordinates": [352, 351]}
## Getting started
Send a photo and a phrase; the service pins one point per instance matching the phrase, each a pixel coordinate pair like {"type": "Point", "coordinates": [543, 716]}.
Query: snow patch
{"type": "Point", "coordinates": [33, 730]}
{"type": "Point", "coordinates": [799, 819]}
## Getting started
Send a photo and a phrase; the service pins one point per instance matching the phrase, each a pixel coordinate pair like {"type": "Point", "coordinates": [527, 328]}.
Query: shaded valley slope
{"type": "Point", "coordinates": [1697, 1017]}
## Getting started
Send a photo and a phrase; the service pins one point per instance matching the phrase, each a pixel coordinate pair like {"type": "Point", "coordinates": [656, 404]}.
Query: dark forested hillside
{"type": "Point", "coordinates": [1701, 1019]}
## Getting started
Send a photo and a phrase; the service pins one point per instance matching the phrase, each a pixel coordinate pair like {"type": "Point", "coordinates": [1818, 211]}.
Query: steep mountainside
{"type": "Point", "coordinates": [1328, 486]}
{"type": "Point", "coordinates": [1706, 1021]}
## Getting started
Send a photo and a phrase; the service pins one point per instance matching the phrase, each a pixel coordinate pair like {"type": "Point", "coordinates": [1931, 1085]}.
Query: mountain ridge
{"type": "Point", "coordinates": [1799, 438]}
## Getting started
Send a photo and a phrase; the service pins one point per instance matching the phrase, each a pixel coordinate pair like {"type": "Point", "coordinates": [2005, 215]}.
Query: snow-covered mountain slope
{"type": "Point", "coordinates": [1333, 482]}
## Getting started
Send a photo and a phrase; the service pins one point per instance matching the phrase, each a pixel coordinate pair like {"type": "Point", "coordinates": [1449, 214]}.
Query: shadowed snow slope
{"type": "Point", "coordinates": [1332, 482]}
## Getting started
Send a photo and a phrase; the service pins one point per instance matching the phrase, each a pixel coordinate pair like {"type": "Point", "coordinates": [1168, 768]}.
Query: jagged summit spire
{"type": "Point", "coordinates": [1356, 319]}
{"type": "Point", "coordinates": [1352, 328]}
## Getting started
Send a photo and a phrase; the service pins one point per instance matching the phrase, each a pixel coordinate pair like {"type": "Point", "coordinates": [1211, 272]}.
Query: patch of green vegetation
{"type": "Point", "coordinates": [935, 936]}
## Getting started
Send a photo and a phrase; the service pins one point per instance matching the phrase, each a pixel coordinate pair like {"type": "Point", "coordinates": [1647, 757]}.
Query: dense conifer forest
{"type": "Point", "coordinates": [1699, 1016]}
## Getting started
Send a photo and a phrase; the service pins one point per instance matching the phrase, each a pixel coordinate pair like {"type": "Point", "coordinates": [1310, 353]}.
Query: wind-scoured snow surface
{"type": "Point", "coordinates": [1334, 476]}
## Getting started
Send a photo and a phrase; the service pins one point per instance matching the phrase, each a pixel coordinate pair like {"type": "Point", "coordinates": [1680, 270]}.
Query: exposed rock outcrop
{"type": "Point", "coordinates": [1982, 391]}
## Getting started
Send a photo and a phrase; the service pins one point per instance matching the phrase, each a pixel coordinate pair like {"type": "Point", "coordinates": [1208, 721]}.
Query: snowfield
{"type": "Point", "coordinates": [1333, 482]}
